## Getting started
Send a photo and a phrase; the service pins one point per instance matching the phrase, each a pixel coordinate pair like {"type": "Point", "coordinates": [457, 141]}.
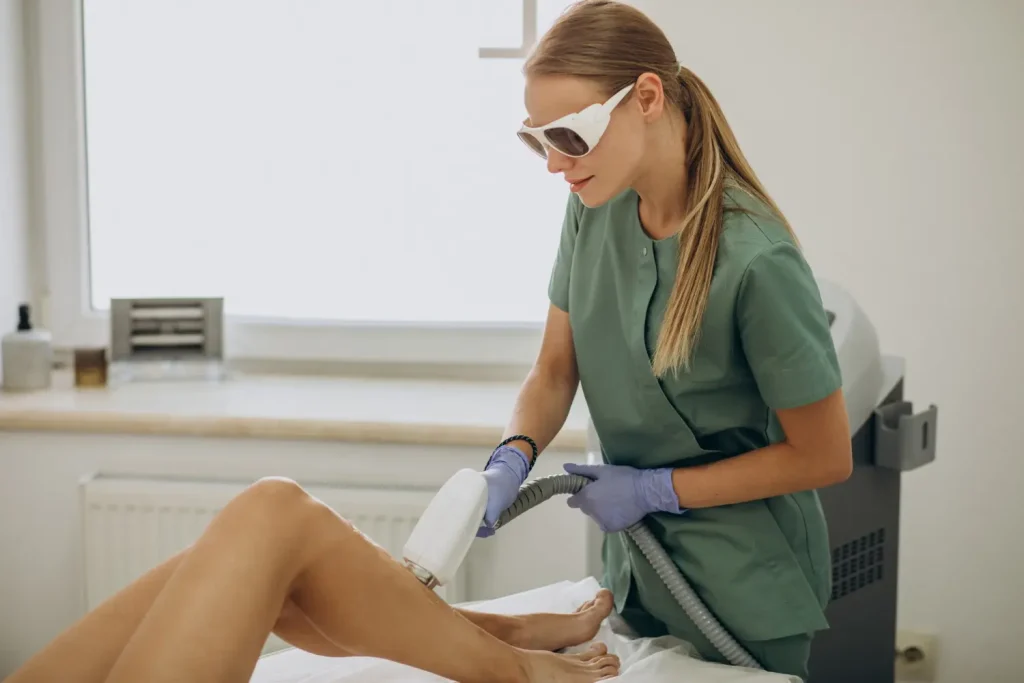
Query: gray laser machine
{"type": "Point", "coordinates": [863, 512]}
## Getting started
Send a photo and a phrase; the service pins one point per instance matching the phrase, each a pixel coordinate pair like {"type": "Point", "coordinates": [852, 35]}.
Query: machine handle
{"type": "Point", "coordinates": [904, 441]}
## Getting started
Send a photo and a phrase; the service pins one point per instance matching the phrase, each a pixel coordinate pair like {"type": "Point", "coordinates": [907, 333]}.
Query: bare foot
{"type": "Point", "coordinates": [595, 664]}
{"type": "Point", "coordinates": [557, 631]}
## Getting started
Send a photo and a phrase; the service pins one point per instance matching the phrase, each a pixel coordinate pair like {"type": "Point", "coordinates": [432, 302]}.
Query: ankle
{"type": "Point", "coordinates": [515, 632]}
{"type": "Point", "coordinates": [520, 670]}
{"type": "Point", "coordinates": [510, 629]}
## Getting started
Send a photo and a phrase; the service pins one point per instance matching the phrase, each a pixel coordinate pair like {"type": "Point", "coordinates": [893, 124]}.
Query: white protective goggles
{"type": "Point", "coordinates": [574, 135]}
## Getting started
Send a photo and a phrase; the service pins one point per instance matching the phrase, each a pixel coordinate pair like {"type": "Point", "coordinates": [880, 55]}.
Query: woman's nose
{"type": "Point", "coordinates": [558, 162]}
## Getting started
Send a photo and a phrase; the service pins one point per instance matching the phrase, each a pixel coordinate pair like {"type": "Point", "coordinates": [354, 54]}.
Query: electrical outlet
{"type": "Point", "coordinates": [916, 656]}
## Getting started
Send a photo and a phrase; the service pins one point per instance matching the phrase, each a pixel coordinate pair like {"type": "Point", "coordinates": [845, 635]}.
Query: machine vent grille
{"type": "Point", "coordinates": [857, 564]}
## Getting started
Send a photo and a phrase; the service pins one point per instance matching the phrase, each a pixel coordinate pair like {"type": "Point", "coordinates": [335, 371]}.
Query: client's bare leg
{"type": "Point", "coordinates": [538, 631]}
{"type": "Point", "coordinates": [547, 631]}
{"type": "Point", "coordinates": [400, 620]}
{"type": "Point", "coordinates": [270, 544]}
{"type": "Point", "coordinates": [86, 651]}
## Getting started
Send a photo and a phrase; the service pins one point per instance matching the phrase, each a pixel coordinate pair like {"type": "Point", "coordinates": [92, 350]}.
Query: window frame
{"type": "Point", "coordinates": [57, 95]}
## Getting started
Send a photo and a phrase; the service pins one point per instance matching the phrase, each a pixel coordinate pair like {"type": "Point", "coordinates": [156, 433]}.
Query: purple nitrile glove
{"type": "Point", "coordinates": [505, 473]}
{"type": "Point", "coordinates": [621, 496]}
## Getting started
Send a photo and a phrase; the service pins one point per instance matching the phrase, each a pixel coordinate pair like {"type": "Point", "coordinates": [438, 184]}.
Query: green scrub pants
{"type": "Point", "coordinates": [783, 655]}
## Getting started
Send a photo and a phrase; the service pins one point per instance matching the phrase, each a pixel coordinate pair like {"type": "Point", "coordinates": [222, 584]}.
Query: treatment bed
{"type": "Point", "coordinates": [863, 519]}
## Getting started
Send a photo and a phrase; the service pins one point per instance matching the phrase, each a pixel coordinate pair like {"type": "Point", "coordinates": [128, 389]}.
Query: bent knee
{"type": "Point", "coordinates": [286, 502]}
{"type": "Point", "coordinates": [276, 490]}
{"type": "Point", "coordinates": [276, 502]}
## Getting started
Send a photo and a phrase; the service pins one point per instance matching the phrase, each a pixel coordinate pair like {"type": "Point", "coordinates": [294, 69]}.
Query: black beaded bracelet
{"type": "Point", "coordinates": [522, 437]}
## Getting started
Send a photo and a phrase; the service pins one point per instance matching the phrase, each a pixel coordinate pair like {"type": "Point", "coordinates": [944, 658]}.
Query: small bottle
{"type": "Point", "coordinates": [27, 355]}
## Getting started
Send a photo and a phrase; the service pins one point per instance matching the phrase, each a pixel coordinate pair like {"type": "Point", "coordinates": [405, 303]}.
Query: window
{"type": "Point", "coordinates": [346, 175]}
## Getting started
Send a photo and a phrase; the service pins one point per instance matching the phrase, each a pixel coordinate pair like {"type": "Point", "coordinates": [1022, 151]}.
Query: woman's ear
{"type": "Point", "coordinates": [650, 95]}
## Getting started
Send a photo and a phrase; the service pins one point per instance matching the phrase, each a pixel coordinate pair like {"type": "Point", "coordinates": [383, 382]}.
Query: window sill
{"type": "Point", "coordinates": [423, 412]}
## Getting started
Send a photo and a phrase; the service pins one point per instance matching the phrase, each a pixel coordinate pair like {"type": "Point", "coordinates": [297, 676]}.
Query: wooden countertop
{"type": "Point", "coordinates": [445, 413]}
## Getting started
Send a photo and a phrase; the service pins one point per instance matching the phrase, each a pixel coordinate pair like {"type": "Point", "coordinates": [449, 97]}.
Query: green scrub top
{"type": "Point", "coordinates": [762, 567]}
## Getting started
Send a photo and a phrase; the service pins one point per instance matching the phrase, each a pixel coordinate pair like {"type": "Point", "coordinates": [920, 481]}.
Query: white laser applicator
{"type": "Point", "coordinates": [447, 528]}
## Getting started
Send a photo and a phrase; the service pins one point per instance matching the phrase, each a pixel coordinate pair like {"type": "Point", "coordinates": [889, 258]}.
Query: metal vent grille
{"type": "Point", "coordinates": [857, 564]}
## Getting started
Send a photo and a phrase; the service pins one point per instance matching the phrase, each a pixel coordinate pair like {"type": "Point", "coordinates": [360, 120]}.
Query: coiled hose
{"type": "Point", "coordinates": [539, 490]}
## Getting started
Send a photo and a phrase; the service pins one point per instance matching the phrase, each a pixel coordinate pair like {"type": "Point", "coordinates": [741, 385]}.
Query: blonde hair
{"type": "Point", "coordinates": [613, 44]}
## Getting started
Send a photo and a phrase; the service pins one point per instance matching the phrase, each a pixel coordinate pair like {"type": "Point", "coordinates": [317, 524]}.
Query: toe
{"type": "Point", "coordinates": [600, 606]}
{"type": "Point", "coordinates": [602, 600]}
{"type": "Point", "coordinates": [595, 650]}
{"type": "Point", "coordinates": [607, 665]}
{"type": "Point", "coordinates": [585, 606]}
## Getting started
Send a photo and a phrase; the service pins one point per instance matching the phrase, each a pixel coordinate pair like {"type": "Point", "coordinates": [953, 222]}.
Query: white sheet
{"type": "Point", "coordinates": [644, 660]}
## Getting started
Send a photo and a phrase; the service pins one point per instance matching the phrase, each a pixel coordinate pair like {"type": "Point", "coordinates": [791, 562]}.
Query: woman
{"type": "Point", "coordinates": [681, 304]}
{"type": "Point", "coordinates": [276, 559]}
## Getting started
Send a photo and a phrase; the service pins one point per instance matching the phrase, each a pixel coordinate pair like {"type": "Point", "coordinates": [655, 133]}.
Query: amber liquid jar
{"type": "Point", "coordinates": [90, 367]}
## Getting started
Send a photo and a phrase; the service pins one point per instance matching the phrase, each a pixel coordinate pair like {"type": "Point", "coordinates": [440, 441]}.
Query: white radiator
{"type": "Point", "coordinates": [131, 525]}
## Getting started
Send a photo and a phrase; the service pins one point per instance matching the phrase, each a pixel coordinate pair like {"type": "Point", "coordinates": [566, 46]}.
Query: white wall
{"type": "Point", "coordinates": [890, 132]}
{"type": "Point", "coordinates": [14, 201]}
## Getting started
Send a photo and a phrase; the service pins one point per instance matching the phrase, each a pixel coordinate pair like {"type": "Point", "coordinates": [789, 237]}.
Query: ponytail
{"type": "Point", "coordinates": [713, 161]}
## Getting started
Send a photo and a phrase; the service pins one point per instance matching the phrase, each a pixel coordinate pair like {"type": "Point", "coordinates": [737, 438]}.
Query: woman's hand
{"type": "Point", "coordinates": [620, 496]}
{"type": "Point", "coordinates": [505, 473]}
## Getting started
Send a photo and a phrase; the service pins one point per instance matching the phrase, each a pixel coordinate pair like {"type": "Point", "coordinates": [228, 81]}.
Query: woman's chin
{"type": "Point", "coordinates": [593, 196]}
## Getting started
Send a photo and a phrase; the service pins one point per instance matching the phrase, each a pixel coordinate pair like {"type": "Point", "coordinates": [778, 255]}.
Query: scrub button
{"type": "Point", "coordinates": [643, 252]}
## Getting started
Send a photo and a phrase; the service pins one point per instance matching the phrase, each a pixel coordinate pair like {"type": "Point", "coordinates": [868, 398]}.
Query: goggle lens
{"type": "Point", "coordinates": [534, 144]}
{"type": "Point", "coordinates": [567, 141]}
